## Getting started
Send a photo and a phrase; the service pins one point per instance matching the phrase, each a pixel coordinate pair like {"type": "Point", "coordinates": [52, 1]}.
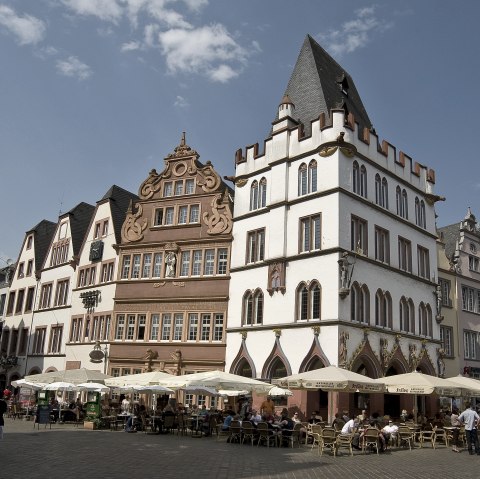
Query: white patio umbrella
{"type": "Point", "coordinates": [277, 391]}
{"type": "Point", "coordinates": [233, 392]}
{"type": "Point", "coordinates": [94, 387]}
{"type": "Point", "coordinates": [470, 384]}
{"type": "Point", "coordinates": [21, 383]}
{"type": "Point", "coordinates": [152, 377]}
{"type": "Point", "coordinates": [419, 383]}
{"type": "Point", "coordinates": [75, 376]}
{"type": "Point", "coordinates": [332, 378]}
{"type": "Point", "coordinates": [60, 386]}
{"type": "Point", "coordinates": [217, 380]}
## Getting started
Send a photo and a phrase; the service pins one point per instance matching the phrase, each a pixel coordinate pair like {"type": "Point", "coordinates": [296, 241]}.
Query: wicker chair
{"type": "Point", "coordinates": [370, 439]}
{"type": "Point", "coordinates": [428, 435]}
{"type": "Point", "coordinates": [405, 436]}
{"type": "Point", "coordinates": [265, 435]}
{"type": "Point", "coordinates": [328, 440]}
{"type": "Point", "coordinates": [249, 432]}
{"type": "Point", "coordinates": [344, 441]}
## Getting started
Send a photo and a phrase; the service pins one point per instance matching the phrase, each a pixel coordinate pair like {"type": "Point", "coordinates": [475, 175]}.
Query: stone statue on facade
{"type": "Point", "coordinates": [170, 261]}
{"type": "Point", "coordinates": [441, 362]}
{"type": "Point", "coordinates": [342, 350]}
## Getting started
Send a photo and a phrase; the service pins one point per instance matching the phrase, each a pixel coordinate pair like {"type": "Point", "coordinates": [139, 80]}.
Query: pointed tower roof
{"type": "Point", "coordinates": [318, 84]}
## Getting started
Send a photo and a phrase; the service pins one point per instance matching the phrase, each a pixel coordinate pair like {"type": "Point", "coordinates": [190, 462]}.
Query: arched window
{"type": "Point", "coordinates": [356, 177]}
{"type": "Point", "coordinates": [309, 301]}
{"type": "Point", "coordinates": [378, 190]}
{"type": "Point", "coordinates": [363, 181]}
{"type": "Point", "coordinates": [420, 213]}
{"type": "Point", "coordinates": [407, 315]}
{"type": "Point", "coordinates": [302, 180]}
{"type": "Point", "coordinates": [384, 193]}
{"type": "Point", "coordinates": [244, 369]}
{"type": "Point", "coordinates": [422, 320]}
{"type": "Point", "coordinates": [405, 204]}
{"type": "Point", "coordinates": [312, 176]}
{"type": "Point", "coordinates": [383, 309]}
{"type": "Point", "coordinates": [360, 303]}
{"type": "Point", "coordinates": [262, 198]}
{"type": "Point", "coordinates": [254, 196]}
{"type": "Point", "coordinates": [429, 321]}
{"type": "Point", "coordinates": [258, 194]}
{"type": "Point", "coordinates": [278, 369]}
{"type": "Point", "coordinates": [252, 308]}
{"type": "Point", "coordinates": [398, 198]}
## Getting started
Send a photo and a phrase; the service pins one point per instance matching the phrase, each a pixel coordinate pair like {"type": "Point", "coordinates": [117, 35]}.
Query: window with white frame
{"type": "Point", "coordinates": [381, 191]}
{"type": "Point", "coordinates": [61, 293]}
{"type": "Point", "coordinates": [470, 344]}
{"type": "Point", "coordinates": [55, 343]}
{"type": "Point", "coordinates": [154, 327]}
{"type": "Point", "coordinates": [178, 327]}
{"type": "Point", "coordinates": [167, 189]}
{"type": "Point", "coordinates": [307, 178]}
{"type": "Point", "coordinates": [147, 265]}
{"type": "Point", "coordinates": [206, 326]}
{"type": "Point", "coordinates": [192, 326]}
{"type": "Point", "coordinates": [107, 272]}
{"type": "Point", "coordinates": [189, 186]}
{"type": "Point", "coordinates": [185, 263]}
{"type": "Point", "coordinates": [157, 265]}
{"type": "Point", "coordinates": [166, 326]}
{"type": "Point", "coordinates": [445, 287]}
{"type": "Point", "coordinates": [359, 179]}
{"type": "Point", "coordinates": [420, 219]}
{"type": "Point", "coordinates": [218, 327]}
{"type": "Point", "coordinates": [470, 299]}
{"type": "Point", "coordinates": [446, 337]}
{"type": "Point", "coordinates": [120, 327]}
{"type": "Point", "coordinates": [45, 296]}
{"type": "Point", "coordinates": [308, 301]}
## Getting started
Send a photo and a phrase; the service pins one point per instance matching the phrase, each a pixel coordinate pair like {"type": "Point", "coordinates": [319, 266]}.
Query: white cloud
{"type": "Point", "coordinates": [27, 29]}
{"type": "Point", "coordinates": [108, 10]}
{"type": "Point", "coordinates": [130, 46]}
{"type": "Point", "coordinates": [205, 50]}
{"type": "Point", "coordinates": [181, 102]}
{"type": "Point", "coordinates": [150, 36]}
{"type": "Point", "coordinates": [355, 33]}
{"type": "Point", "coordinates": [73, 67]}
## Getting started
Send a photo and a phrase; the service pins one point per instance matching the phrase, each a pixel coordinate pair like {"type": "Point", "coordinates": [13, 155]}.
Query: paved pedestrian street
{"type": "Point", "coordinates": [65, 451]}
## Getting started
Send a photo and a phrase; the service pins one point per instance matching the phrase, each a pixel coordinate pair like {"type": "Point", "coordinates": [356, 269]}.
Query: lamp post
{"type": "Point", "coordinates": [97, 355]}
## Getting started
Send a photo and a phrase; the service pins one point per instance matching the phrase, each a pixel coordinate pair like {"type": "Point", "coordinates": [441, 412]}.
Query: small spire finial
{"type": "Point", "coordinates": [182, 141]}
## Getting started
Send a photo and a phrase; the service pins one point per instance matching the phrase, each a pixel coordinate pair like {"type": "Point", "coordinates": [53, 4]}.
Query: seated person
{"type": "Point", "coordinates": [228, 420]}
{"type": "Point", "coordinates": [286, 427]}
{"type": "Point", "coordinates": [315, 417]}
{"type": "Point", "coordinates": [381, 437]}
{"type": "Point", "coordinates": [350, 427]}
{"type": "Point", "coordinates": [390, 432]}
{"type": "Point", "coordinates": [255, 418]}
{"type": "Point", "coordinates": [203, 411]}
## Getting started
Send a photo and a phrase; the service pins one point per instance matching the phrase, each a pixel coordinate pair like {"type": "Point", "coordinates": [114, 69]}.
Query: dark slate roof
{"type": "Point", "coordinates": [316, 85]}
{"type": "Point", "coordinates": [80, 217]}
{"type": "Point", "coordinates": [119, 202]}
{"type": "Point", "coordinates": [449, 235]}
{"type": "Point", "coordinates": [43, 233]}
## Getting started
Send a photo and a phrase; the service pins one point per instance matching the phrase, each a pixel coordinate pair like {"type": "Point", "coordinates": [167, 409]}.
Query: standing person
{"type": "Point", "coordinates": [456, 429]}
{"type": "Point", "coordinates": [470, 418]}
{"type": "Point", "coordinates": [3, 410]}
{"type": "Point", "coordinates": [268, 407]}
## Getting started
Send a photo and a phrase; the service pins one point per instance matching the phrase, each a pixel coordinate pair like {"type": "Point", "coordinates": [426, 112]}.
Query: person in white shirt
{"type": "Point", "coordinates": [470, 418]}
{"type": "Point", "coordinates": [350, 427]}
{"type": "Point", "coordinates": [390, 432]}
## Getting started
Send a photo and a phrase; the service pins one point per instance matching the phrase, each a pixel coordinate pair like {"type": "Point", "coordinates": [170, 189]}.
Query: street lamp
{"type": "Point", "coordinates": [97, 355]}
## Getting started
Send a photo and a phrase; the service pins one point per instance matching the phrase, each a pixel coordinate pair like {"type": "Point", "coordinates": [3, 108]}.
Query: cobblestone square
{"type": "Point", "coordinates": [69, 451]}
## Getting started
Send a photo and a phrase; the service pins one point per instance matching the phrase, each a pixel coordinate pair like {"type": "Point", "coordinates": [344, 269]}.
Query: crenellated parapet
{"type": "Point", "coordinates": [290, 142]}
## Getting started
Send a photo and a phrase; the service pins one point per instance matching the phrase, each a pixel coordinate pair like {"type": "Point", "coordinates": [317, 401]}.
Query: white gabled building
{"type": "Point", "coordinates": [93, 290]}
{"type": "Point", "coordinates": [53, 306]}
{"type": "Point", "coordinates": [334, 252]}
{"type": "Point", "coordinates": [19, 310]}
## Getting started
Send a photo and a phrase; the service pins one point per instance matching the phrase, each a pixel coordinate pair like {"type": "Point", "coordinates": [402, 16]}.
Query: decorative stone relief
{"type": "Point", "coordinates": [441, 362]}
{"type": "Point", "coordinates": [219, 221]}
{"type": "Point", "coordinates": [412, 357]}
{"type": "Point", "coordinates": [276, 278]}
{"type": "Point", "coordinates": [207, 178]}
{"type": "Point", "coordinates": [150, 356]}
{"type": "Point", "coordinates": [132, 229]}
{"type": "Point", "coordinates": [342, 349]}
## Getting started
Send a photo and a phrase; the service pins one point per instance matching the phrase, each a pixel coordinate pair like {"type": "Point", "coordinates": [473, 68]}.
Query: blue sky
{"type": "Point", "coordinates": [97, 92]}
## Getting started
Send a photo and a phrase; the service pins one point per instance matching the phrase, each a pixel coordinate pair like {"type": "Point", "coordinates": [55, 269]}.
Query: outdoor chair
{"type": "Point", "coordinates": [265, 435]}
{"type": "Point", "coordinates": [235, 432]}
{"type": "Point", "coordinates": [328, 440]}
{"type": "Point", "coordinates": [405, 436]}
{"type": "Point", "coordinates": [344, 441]}
{"type": "Point", "coordinates": [427, 435]}
{"type": "Point", "coordinates": [441, 435]}
{"type": "Point", "coordinates": [315, 432]}
{"type": "Point", "coordinates": [182, 425]}
{"type": "Point", "coordinates": [168, 423]}
{"type": "Point", "coordinates": [248, 432]}
{"type": "Point", "coordinates": [370, 439]}
{"type": "Point", "coordinates": [292, 436]}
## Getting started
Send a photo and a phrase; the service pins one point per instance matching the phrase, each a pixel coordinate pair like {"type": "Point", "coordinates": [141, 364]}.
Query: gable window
{"type": "Point", "coordinates": [30, 267]}
{"type": "Point", "coordinates": [29, 301]}
{"type": "Point", "coordinates": [167, 189]}
{"type": "Point", "coordinates": [20, 298]}
{"type": "Point", "coordinates": [29, 241]}
{"type": "Point", "coordinates": [21, 273]}
{"type": "Point", "coordinates": [61, 293]}
{"type": "Point", "coordinates": [189, 186]}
